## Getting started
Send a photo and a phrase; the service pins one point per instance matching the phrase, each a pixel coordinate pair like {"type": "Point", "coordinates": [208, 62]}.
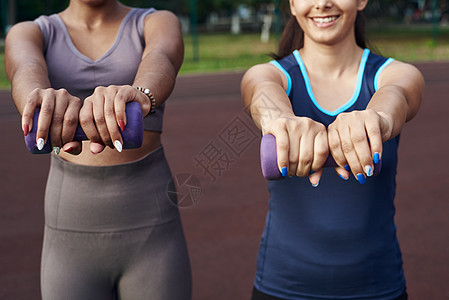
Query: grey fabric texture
{"type": "Point", "coordinates": [111, 232]}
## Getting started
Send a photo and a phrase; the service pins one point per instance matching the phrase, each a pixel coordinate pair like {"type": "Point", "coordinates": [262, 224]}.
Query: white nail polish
{"type": "Point", "coordinates": [118, 146]}
{"type": "Point", "coordinates": [56, 150]}
{"type": "Point", "coordinates": [369, 171]}
{"type": "Point", "coordinates": [40, 144]}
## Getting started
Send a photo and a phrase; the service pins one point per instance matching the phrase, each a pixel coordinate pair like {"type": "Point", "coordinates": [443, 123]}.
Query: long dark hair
{"type": "Point", "coordinates": [293, 36]}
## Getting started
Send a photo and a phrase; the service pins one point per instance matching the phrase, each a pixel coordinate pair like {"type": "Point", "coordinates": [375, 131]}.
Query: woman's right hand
{"type": "Point", "coordinates": [302, 146]}
{"type": "Point", "coordinates": [58, 118]}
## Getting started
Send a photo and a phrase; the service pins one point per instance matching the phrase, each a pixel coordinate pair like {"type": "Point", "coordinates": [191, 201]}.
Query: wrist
{"type": "Point", "coordinates": [151, 98]}
{"type": "Point", "coordinates": [386, 126]}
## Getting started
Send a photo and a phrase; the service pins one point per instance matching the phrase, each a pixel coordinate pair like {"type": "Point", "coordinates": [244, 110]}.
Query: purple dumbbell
{"type": "Point", "coordinates": [132, 135]}
{"type": "Point", "coordinates": [269, 161]}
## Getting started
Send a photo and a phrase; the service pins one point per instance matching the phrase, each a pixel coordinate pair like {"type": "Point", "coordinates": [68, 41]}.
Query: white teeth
{"type": "Point", "coordinates": [324, 20]}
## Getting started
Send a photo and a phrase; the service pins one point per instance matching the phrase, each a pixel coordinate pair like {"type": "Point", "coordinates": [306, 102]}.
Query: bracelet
{"type": "Point", "coordinates": [150, 96]}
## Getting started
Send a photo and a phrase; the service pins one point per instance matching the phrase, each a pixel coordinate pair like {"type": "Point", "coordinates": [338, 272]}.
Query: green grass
{"type": "Point", "coordinates": [4, 82]}
{"type": "Point", "coordinates": [226, 52]}
{"type": "Point", "coordinates": [416, 45]}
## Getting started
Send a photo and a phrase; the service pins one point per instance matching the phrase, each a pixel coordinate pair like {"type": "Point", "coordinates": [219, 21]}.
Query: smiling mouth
{"type": "Point", "coordinates": [323, 20]}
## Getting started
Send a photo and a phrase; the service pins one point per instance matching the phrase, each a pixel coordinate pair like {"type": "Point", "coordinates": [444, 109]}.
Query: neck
{"type": "Point", "coordinates": [94, 14]}
{"type": "Point", "coordinates": [331, 60]}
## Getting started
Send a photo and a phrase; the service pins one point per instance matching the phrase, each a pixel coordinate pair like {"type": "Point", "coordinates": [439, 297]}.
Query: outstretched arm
{"type": "Point", "coordinates": [301, 143]}
{"type": "Point", "coordinates": [27, 71]}
{"type": "Point", "coordinates": [163, 55]}
{"type": "Point", "coordinates": [356, 138]}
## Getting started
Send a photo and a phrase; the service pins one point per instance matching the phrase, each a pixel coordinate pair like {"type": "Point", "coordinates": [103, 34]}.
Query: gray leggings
{"type": "Point", "coordinates": [112, 233]}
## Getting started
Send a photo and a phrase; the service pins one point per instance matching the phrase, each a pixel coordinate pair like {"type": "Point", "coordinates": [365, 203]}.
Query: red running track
{"type": "Point", "coordinates": [205, 120]}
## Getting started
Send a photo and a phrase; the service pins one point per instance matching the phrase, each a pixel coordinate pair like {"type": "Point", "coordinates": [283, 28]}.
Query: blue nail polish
{"type": "Point", "coordinates": [361, 178]}
{"type": "Point", "coordinates": [316, 185]}
{"type": "Point", "coordinates": [347, 168]}
{"type": "Point", "coordinates": [284, 171]}
{"type": "Point", "coordinates": [344, 178]}
{"type": "Point", "coordinates": [376, 158]}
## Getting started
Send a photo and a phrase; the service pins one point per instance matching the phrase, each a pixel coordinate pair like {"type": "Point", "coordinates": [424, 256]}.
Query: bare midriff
{"type": "Point", "coordinates": [151, 141]}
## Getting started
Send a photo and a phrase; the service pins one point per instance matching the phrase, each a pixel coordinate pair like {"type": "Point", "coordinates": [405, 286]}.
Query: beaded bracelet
{"type": "Point", "coordinates": [151, 97]}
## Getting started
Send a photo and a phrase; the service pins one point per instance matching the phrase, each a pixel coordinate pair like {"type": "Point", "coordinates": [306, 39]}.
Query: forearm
{"type": "Point", "coordinates": [268, 102]}
{"type": "Point", "coordinates": [399, 97]}
{"type": "Point", "coordinates": [391, 104]}
{"type": "Point", "coordinates": [26, 79]}
{"type": "Point", "coordinates": [163, 55]}
{"type": "Point", "coordinates": [157, 73]}
{"type": "Point", "coordinates": [263, 92]}
{"type": "Point", "coordinates": [24, 62]}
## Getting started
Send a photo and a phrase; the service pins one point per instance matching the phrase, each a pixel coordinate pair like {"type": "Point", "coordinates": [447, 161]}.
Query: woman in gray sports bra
{"type": "Point", "coordinates": [110, 229]}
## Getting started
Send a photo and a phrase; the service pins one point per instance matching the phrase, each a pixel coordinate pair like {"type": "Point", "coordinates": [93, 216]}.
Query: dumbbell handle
{"type": "Point", "coordinates": [132, 135]}
{"type": "Point", "coordinates": [269, 163]}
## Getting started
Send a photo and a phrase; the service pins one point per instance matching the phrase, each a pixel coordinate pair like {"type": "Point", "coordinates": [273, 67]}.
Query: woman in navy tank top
{"type": "Point", "coordinates": [110, 230]}
{"type": "Point", "coordinates": [330, 233]}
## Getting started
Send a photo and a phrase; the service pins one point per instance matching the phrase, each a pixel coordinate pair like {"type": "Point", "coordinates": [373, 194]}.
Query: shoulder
{"type": "Point", "coordinates": [403, 74]}
{"type": "Point", "coordinates": [397, 65]}
{"type": "Point", "coordinates": [162, 23]}
{"type": "Point", "coordinates": [24, 26]}
{"type": "Point", "coordinates": [267, 72]}
{"type": "Point", "coordinates": [25, 31]}
{"type": "Point", "coordinates": [157, 17]}
{"type": "Point", "coordinates": [406, 81]}
{"type": "Point", "coordinates": [149, 18]}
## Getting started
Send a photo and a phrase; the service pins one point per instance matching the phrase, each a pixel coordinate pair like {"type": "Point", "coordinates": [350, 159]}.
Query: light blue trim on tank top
{"type": "Point", "coordinates": [376, 77]}
{"type": "Point", "coordinates": [357, 89]}
{"type": "Point", "coordinates": [289, 78]}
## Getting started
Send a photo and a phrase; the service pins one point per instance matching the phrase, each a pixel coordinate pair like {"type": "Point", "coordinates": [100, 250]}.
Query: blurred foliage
{"type": "Point", "coordinates": [377, 10]}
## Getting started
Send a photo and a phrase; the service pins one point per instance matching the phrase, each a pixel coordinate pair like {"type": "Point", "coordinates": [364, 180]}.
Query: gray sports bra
{"type": "Point", "coordinates": [79, 75]}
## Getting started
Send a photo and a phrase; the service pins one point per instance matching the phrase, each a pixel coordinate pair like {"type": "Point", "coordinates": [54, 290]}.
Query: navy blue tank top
{"type": "Point", "coordinates": [79, 75]}
{"type": "Point", "coordinates": [337, 241]}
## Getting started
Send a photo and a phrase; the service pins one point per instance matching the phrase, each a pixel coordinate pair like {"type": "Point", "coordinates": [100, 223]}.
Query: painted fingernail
{"type": "Point", "coordinates": [347, 168]}
{"type": "Point", "coordinates": [56, 150]}
{"type": "Point", "coordinates": [121, 123]}
{"type": "Point", "coordinates": [361, 178]}
{"type": "Point", "coordinates": [344, 178]}
{"type": "Point", "coordinates": [376, 158]}
{"type": "Point", "coordinates": [68, 150]}
{"type": "Point", "coordinates": [284, 172]}
{"type": "Point", "coordinates": [118, 146]}
{"type": "Point", "coordinates": [26, 129]}
{"type": "Point", "coordinates": [40, 144]}
{"type": "Point", "coordinates": [369, 171]}
{"type": "Point", "coordinates": [316, 184]}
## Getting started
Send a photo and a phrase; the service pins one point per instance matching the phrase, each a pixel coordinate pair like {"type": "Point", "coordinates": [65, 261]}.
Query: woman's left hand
{"type": "Point", "coordinates": [102, 115]}
{"type": "Point", "coordinates": [355, 142]}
